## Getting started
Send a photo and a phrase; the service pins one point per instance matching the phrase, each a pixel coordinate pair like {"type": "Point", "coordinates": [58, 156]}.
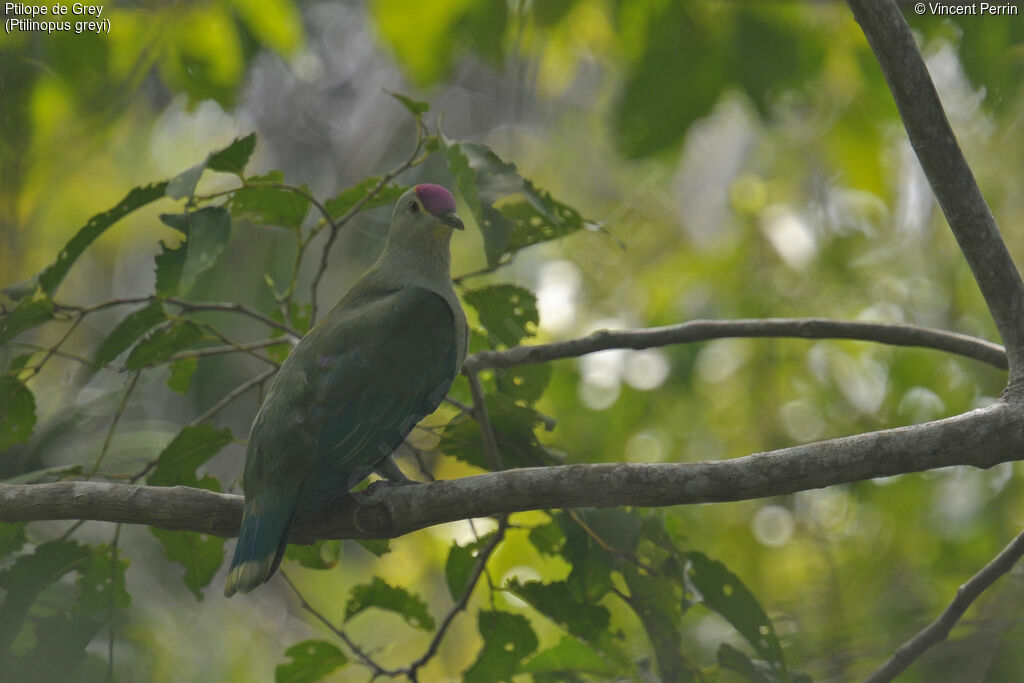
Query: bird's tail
{"type": "Point", "coordinates": [261, 544]}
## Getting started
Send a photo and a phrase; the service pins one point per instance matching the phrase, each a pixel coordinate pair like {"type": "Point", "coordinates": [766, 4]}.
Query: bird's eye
{"type": "Point", "coordinates": [414, 207]}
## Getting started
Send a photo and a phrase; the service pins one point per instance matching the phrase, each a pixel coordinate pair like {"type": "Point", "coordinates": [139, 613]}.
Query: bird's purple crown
{"type": "Point", "coordinates": [436, 199]}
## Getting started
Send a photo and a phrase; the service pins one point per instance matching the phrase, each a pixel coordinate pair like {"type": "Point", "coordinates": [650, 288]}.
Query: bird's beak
{"type": "Point", "coordinates": [450, 218]}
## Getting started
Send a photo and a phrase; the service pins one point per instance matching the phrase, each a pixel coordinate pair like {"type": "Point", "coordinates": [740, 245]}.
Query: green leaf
{"type": "Point", "coordinates": [393, 598]}
{"type": "Point", "coordinates": [51, 278]}
{"type": "Point", "coordinates": [234, 157]}
{"type": "Point", "coordinates": [416, 107]}
{"type": "Point", "coordinates": [508, 312]}
{"type": "Point", "coordinates": [30, 574]}
{"type": "Point", "coordinates": [732, 659]}
{"type": "Point", "coordinates": [163, 343]}
{"type": "Point", "coordinates": [271, 205]}
{"type": "Point", "coordinates": [548, 538]}
{"type": "Point", "coordinates": [60, 642]}
{"type": "Point", "coordinates": [319, 555]}
{"type": "Point", "coordinates": [184, 184]}
{"type": "Point", "coordinates": [17, 412]}
{"type": "Point", "coordinates": [514, 426]}
{"type": "Point", "coordinates": [101, 583]}
{"type": "Point", "coordinates": [657, 601]}
{"type": "Point", "coordinates": [590, 577]}
{"type": "Point", "coordinates": [650, 116]}
{"type": "Point", "coordinates": [200, 554]}
{"type": "Point", "coordinates": [344, 201]}
{"type": "Point", "coordinates": [774, 51]}
{"type": "Point", "coordinates": [524, 382]}
{"type": "Point", "coordinates": [169, 265]}
{"type": "Point", "coordinates": [29, 312]}
{"type": "Point", "coordinates": [569, 655]}
{"type": "Point", "coordinates": [722, 591]}
{"type": "Point", "coordinates": [483, 27]}
{"type": "Point", "coordinates": [511, 212]}
{"type": "Point", "coordinates": [508, 638]}
{"type": "Point", "coordinates": [126, 332]}
{"type": "Point", "coordinates": [12, 537]}
{"type": "Point", "coordinates": [190, 449]}
{"type": "Point", "coordinates": [377, 546]}
{"type": "Point", "coordinates": [556, 601]}
{"type": "Point", "coordinates": [312, 660]}
{"type": "Point", "coordinates": [460, 563]}
{"type": "Point", "coordinates": [208, 230]}
{"type": "Point", "coordinates": [181, 374]}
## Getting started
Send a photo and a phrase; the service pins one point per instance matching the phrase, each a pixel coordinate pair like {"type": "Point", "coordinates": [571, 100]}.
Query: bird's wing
{"type": "Point", "coordinates": [380, 367]}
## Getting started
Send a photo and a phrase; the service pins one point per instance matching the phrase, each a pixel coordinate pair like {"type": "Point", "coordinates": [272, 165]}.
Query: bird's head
{"type": "Point", "coordinates": [424, 217]}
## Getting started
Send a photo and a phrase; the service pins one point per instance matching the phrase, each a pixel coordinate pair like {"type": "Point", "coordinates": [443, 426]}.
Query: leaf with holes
{"type": "Point", "coordinates": [271, 205]}
{"type": "Point", "coordinates": [190, 449]}
{"type": "Point", "coordinates": [396, 599]}
{"type": "Point", "coordinates": [128, 331]}
{"type": "Point", "coordinates": [23, 580]}
{"type": "Point", "coordinates": [524, 382]}
{"type": "Point", "coordinates": [29, 312]}
{"type": "Point", "coordinates": [17, 412]}
{"type": "Point", "coordinates": [101, 584]}
{"type": "Point", "coordinates": [658, 602]}
{"type": "Point", "coordinates": [312, 660]}
{"type": "Point", "coordinates": [723, 592]}
{"type": "Point", "coordinates": [51, 278]}
{"type": "Point", "coordinates": [556, 601]}
{"type": "Point", "coordinates": [514, 426]}
{"type": "Point", "coordinates": [511, 212]}
{"type": "Point", "coordinates": [208, 231]}
{"type": "Point", "coordinates": [509, 313]}
{"type": "Point", "coordinates": [508, 639]}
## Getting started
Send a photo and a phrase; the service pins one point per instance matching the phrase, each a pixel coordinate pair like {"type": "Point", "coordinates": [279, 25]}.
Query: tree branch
{"type": "Point", "coordinates": [948, 173]}
{"type": "Point", "coordinates": [897, 334]}
{"type": "Point", "coordinates": [939, 629]}
{"type": "Point", "coordinates": [980, 438]}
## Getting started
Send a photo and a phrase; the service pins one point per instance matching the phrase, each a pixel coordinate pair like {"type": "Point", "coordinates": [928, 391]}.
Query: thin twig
{"type": "Point", "coordinates": [228, 348]}
{"type": "Point", "coordinates": [113, 424]}
{"type": "Point", "coordinates": [113, 597]}
{"type": "Point", "coordinates": [364, 658]}
{"type": "Point", "coordinates": [347, 216]}
{"type": "Point", "coordinates": [195, 306]}
{"type": "Point", "coordinates": [478, 569]}
{"type": "Point", "coordinates": [484, 419]}
{"type": "Point", "coordinates": [241, 348]}
{"type": "Point", "coordinates": [939, 629]}
{"type": "Point", "coordinates": [52, 350]}
{"type": "Point", "coordinates": [42, 347]}
{"type": "Point", "coordinates": [897, 334]}
{"type": "Point", "coordinates": [609, 548]}
{"type": "Point", "coordinates": [232, 395]}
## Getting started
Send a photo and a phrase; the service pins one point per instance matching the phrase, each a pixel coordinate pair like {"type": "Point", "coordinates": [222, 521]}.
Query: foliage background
{"type": "Point", "coordinates": [749, 159]}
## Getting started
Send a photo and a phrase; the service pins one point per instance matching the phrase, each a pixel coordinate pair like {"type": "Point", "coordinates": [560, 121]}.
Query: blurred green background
{"type": "Point", "coordinates": [748, 159]}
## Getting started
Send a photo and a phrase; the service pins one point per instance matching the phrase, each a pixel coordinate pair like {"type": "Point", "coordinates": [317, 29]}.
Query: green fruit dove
{"type": "Point", "coordinates": [352, 389]}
